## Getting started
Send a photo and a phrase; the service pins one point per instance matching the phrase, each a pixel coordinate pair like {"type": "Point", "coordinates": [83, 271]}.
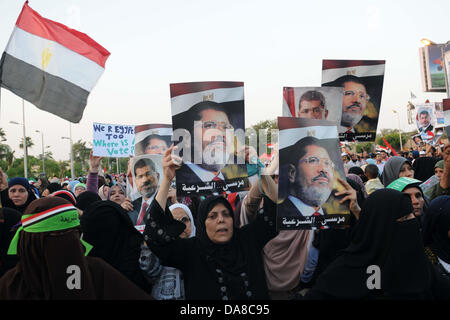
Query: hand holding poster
{"type": "Point", "coordinates": [363, 85]}
{"type": "Point", "coordinates": [208, 124]}
{"type": "Point", "coordinates": [113, 140]}
{"type": "Point", "coordinates": [310, 165]}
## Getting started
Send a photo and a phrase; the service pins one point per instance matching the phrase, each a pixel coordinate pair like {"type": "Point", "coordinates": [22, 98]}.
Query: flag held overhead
{"type": "Point", "coordinates": [51, 66]}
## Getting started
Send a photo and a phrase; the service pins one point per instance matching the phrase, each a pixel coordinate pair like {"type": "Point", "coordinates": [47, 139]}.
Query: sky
{"type": "Point", "coordinates": [266, 44]}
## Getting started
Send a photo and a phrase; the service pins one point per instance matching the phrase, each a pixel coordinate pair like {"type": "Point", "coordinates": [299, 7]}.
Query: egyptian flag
{"type": "Point", "coordinates": [289, 102]}
{"type": "Point", "coordinates": [50, 65]}
{"type": "Point", "coordinates": [387, 144]}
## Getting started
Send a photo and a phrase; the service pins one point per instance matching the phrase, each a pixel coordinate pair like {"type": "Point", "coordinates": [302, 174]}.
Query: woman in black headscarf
{"type": "Point", "coordinates": [86, 199]}
{"type": "Point", "coordinates": [359, 172]}
{"type": "Point", "coordinates": [9, 221]}
{"type": "Point", "coordinates": [106, 226]}
{"type": "Point", "coordinates": [18, 195]}
{"type": "Point", "coordinates": [436, 234]}
{"type": "Point", "coordinates": [387, 238]}
{"type": "Point", "coordinates": [220, 262]}
{"type": "Point", "coordinates": [330, 242]}
{"type": "Point", "coordinates": [424, 167]}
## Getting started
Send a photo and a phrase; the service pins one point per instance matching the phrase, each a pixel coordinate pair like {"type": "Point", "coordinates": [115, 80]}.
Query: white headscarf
{"type": "Point", "coordinates": [189, 213]}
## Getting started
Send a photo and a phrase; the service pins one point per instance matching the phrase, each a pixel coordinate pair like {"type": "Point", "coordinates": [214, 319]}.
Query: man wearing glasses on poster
{"type": "Point", "coordinates": [310, 179]}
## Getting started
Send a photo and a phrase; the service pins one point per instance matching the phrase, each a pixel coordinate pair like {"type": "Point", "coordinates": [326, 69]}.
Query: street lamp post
{"type": "Point", "coordinates": [399, 129]}
{"type": "Point", "coordinates": [43, 152]}
{"type": "Point", "coordinates": [25, 148]}
{"type": "Point", "coordinates": [71, 157]}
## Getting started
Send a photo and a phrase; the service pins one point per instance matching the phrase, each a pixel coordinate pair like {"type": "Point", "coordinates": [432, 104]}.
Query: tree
{"type": "Point", "coordinates": [392, 137]}
{"type": "Point", "coordinates": [64, 168]}
{"type": "Point", "coordinates": [81, 155]}
{"type": "Point", "coordinates": [4, 151]}
{"type": "Point", "coordinates": [30, 143]}
{"type": "Point", "coordinates": [365, 146]}
{"type": "Point", "coordinates": [9, 159]}
{"type": "Point", "coordinates": [2, 135]}
{"type": "Point", "coordinates": [259, 129]}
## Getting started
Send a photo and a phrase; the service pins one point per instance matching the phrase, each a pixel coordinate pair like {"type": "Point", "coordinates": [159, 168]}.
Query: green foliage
{"type": "Point", "coordinates": [258, 130]}
{"type": "Point", "coordinates": [81, 155]}
{"type": "Point", "coordinates": [365, 146]}
{"type": "Point", "coordinates": [392, 137]}
{"type": "Point", "coordinates": [30, 143]}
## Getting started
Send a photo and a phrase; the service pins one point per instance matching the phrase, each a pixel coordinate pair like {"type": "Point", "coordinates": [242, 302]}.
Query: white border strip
{"type": "Point", "coordinates": [289, 137]}
{"type": "Point", "coordinates": [330, 75]}
{"type": "Point", "coordinates": [159, 131]}
{"type": "Point", "coordinates": [184, 102]}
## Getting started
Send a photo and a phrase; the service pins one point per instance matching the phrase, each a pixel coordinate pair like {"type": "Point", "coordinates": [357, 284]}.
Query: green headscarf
{"type": "Point", "coordinates": [58, 214]}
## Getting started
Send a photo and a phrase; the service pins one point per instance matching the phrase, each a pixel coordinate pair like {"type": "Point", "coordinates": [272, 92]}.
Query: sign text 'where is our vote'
{"type": "Point", "coordinates": [111, 140]}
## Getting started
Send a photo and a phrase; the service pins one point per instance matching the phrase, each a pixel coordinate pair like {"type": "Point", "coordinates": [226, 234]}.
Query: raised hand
{"type": "Point", "coordinates": [94, 162]}
{"type": "Point", "coordinates": [350, 195]}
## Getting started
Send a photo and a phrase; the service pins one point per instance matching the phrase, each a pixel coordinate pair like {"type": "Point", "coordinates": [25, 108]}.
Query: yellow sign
{"type": "Point", "coordinates": [46, 56]}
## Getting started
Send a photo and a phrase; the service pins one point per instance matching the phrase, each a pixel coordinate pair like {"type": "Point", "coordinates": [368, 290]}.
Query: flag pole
{"type": "Point", "coordinates": [72, 169]}
{"type": "Point", "coordinates": [25, 149]}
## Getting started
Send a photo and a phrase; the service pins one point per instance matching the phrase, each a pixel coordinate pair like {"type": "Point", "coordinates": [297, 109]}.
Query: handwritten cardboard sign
{"type": "Point", "coordinates": [113, 140]}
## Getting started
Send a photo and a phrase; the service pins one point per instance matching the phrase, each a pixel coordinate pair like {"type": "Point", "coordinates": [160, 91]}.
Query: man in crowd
{"type": "Point", "coordinates": [380, 162]}
{"type": "Point", "coordinates": [384, 156]}
{"type": "Point", "coordinates": [443, 187]}
{"type": "Point", "coordinates": [354, 161]}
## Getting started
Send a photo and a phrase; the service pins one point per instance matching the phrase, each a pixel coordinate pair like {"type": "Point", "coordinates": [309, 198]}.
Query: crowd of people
{"type": "Point", "coordinates": [80, 239]}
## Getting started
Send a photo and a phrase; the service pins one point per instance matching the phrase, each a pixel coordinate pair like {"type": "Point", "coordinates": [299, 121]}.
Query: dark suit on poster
{"type": "Point", "coordinates": [288, 209]}
{"type": "Point", "coordinates": [134, 214]}
{"type": "Point", "coordinates": [429, 128]}
{"type": "Point", "coordinates": [136, 208]}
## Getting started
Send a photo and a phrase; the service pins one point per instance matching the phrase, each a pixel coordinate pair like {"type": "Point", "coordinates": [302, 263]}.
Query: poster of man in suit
{"type": "Point", "coordinates": [208, 124]}
{"type": "Point", "coordinates": [310, 165]}
{"type": "Point", "coordinates": [362, 82]}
